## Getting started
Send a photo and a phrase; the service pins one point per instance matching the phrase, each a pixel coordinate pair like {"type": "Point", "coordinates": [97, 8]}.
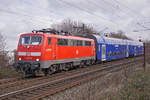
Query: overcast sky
{"type": "Point", "coordinates": [20, 16]}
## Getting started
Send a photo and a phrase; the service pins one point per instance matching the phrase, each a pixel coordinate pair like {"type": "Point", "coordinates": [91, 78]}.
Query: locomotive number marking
{"type": "Point", "coordinates": [49, 49]}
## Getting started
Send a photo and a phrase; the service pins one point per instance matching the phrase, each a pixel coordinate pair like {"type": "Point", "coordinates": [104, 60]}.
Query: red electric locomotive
{"type": "Point", "coordinates": [51, 52]}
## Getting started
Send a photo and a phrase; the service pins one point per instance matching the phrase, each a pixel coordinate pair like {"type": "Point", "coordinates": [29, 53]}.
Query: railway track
{"type": "Point", "coordinates": [43, 88]}
{"type": "Point", "coordinates": [20, 83]}
{"type": "Point", "coordinates": [7, 81]}
{"type": "Point", "coordinates": [24, 83]}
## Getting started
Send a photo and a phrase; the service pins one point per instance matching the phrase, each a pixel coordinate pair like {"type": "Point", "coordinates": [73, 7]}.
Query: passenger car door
{"type": "Point", "coordinates": [103, 52]}
{"type": "Point", "coordinates": [127, 54]}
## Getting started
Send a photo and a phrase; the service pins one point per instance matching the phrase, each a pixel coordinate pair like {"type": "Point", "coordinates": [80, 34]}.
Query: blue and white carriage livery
{"type": "Point", "coordinates": [140, 49]}
{"type": "Point", "coordinates": [112, 48]}
{"type": "Point", "coordinates": [99, 46]}
{"type": "Point", "coordinates": [135, 48]}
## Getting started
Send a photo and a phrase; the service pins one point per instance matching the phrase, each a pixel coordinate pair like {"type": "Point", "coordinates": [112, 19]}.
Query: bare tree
{"type": "Point", "coordinates": [120, 34]}
{"type": "Point", "coordinates": [3, 52]}
{"type": "Point", "coordinates": [15, 55]}
{"type": "Point", "coordinates": [71, 26]}
{"type": "Point", "coordinates": [2, 43]}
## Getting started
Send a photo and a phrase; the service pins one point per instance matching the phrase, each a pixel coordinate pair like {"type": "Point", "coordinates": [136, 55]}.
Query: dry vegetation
{"type": "Point", "coordinates": [72, 26]}
{"type": "Point", "coordinates": [129, 84]}
{"type": "Point", "coordinates": [103, 88]}
{"type": "Point", "coordinates": [120, 35]}
{"type": "Point", "coordinates": [6, 71]}
{"type": "Point", "coordinates": [136, 87]}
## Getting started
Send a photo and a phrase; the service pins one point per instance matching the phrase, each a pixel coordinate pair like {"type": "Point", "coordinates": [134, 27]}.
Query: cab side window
{"type": "Point", "coordinates": [49, 40]}
{"type": "Point", "coordinates": [87, 43]}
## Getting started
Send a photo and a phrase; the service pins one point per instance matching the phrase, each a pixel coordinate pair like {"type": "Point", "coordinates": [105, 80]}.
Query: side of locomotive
{"type": "Point", "coordinates": [51, 53]}
{"type": "Point", "coordinates": [68, 51]}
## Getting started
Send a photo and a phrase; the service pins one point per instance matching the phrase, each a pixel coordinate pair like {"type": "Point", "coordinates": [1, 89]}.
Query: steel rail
{"type": "Point", "coordinates": [12, 86]}
{"type": "Point", "coordinates": [67, 78]}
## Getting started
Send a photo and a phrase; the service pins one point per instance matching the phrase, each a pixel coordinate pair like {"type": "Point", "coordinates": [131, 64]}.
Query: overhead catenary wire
{"type": "Point", "coordinates": [131, 10]}
{"type": "Point", "coordinates": [98, 17]}
{"type": "Point", "coordinates": [118, 8]}
{"type": "Point", "coordinates": [90, 13]}
{"type": "Point", "coordinates": [103, 8]}
{"type": "Point", "coordinates": [139, 16]}
{"type": "Point", "coordinates": [22, 14]}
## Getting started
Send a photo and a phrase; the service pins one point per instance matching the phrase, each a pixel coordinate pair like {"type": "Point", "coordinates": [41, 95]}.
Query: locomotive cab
{"type": "Point", "coordinates": [29, 53]}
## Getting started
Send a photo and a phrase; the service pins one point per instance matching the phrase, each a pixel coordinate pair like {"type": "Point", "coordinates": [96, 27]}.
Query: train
{"type": "Point", "coordinates": [50, 53]}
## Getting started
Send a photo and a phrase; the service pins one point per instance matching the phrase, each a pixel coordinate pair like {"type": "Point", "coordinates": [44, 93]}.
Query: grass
{"type": "Point", "coordinates": [135, 87]}
{"type": "Point", "coordinates": [8, 72]}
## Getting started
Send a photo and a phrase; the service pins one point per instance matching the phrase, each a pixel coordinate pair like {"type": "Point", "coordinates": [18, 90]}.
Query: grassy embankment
{"type": "Point", "coordinates": [135, 87]}
{"type": "Point", "coordinates": [8, 72]}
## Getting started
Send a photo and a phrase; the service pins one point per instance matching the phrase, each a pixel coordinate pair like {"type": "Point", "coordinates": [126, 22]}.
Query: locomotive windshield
{"type": "Point", "coordinates": [30, 40]}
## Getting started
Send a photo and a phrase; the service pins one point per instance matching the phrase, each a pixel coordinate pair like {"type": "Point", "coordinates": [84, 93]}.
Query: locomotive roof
{"type": "Point", "coordinates": [99, 39]}
{"type": "Point", "coordinates": [31, 34]}
{"type": "Point", "coordinates": [59, 36]}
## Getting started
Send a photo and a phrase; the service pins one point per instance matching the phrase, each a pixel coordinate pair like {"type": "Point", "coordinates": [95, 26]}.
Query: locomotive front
{"type": "Point", "coordinates": [29, 53]}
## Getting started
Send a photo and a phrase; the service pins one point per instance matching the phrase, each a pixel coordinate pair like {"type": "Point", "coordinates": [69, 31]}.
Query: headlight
{"type": "Point", "coordinates": [37, 59]}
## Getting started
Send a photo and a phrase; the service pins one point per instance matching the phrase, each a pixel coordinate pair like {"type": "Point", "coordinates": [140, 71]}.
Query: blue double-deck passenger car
{"type": "Point", "coordinates": [111, 48]}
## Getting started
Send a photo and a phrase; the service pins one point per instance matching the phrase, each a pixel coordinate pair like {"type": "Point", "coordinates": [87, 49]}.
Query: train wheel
{"type": "Point", "coordinates": [24, 74]}
{"type": "Point", "coordinates": [45, 72]}
{"type": "Point", "coordinates": [33, 74]}
{"type": "Point", "coordinates": [61, 67]}
{"type": "Point", "coordinates": [82, 64]}
{"type": "Point", "coordinates": [67, 67]}
{"type": "Point", "coordinates": [93, 62]}
{"type": "Point", "coordinates": [71, 65]}
{"type": "Point", "coordinates": [88, 63]}
{"type": "Point", "coordinates": [53, 68]}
